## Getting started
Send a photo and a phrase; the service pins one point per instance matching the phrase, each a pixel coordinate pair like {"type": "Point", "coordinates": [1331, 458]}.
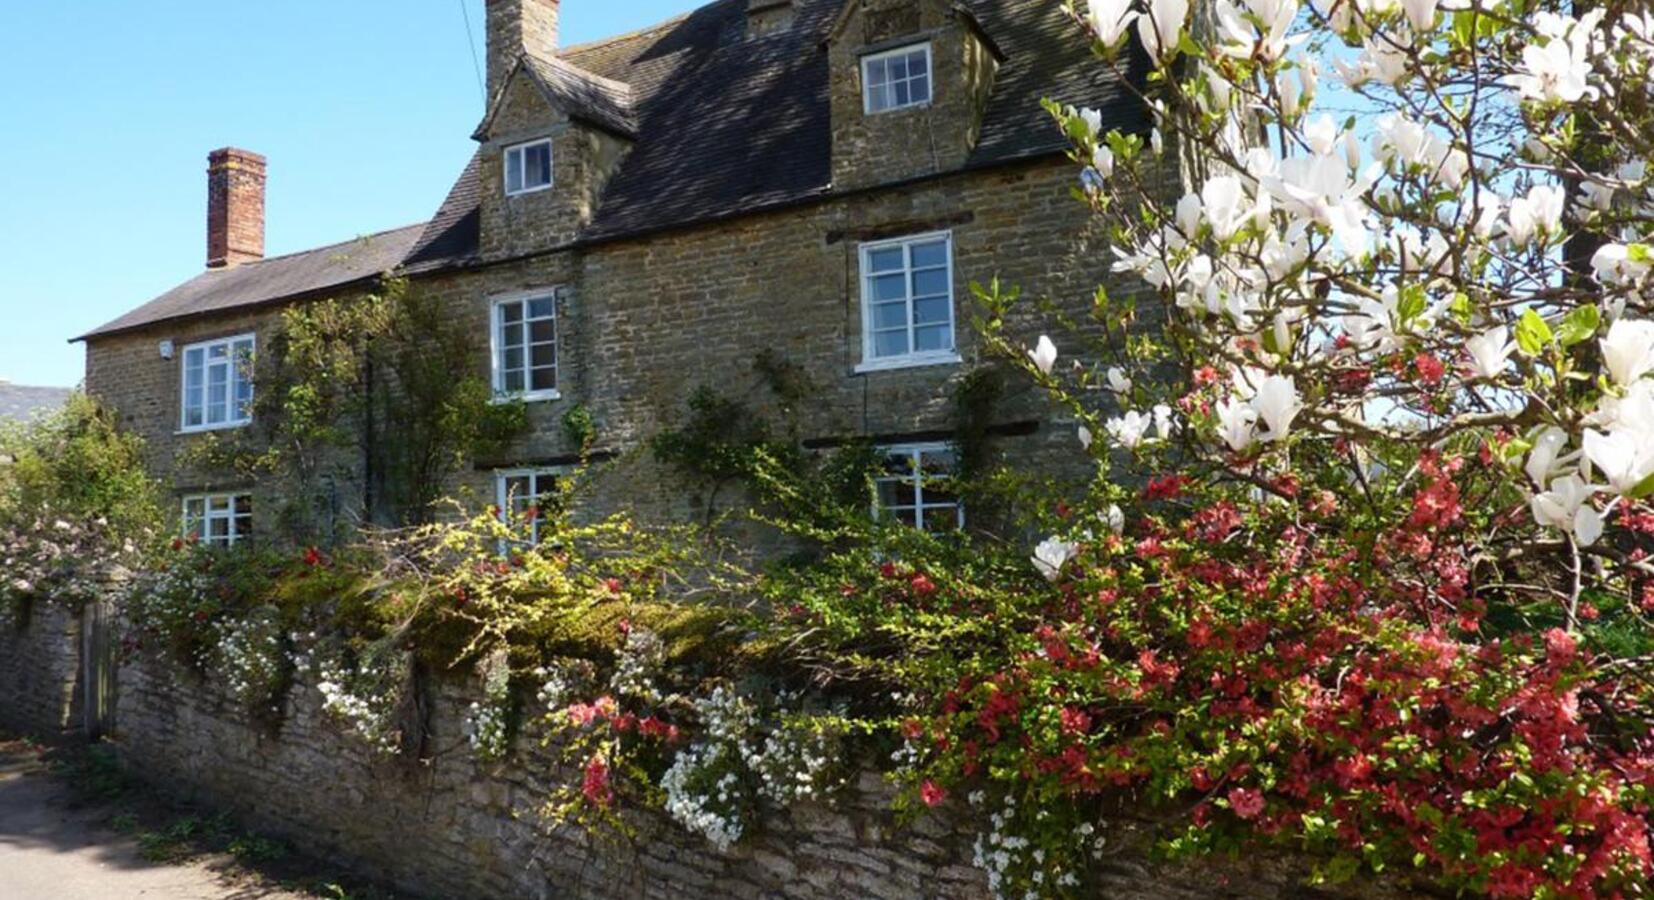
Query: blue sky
{"type": "Point", "coordinates": [108, 110]}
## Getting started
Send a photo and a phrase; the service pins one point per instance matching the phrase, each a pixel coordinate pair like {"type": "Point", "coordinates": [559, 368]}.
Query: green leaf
{"type": "Point", "coordinates": [1532, 334]}
{"type": "Point", "coordinates": [1643, 489]}
{"type": "Point", "coordinates": [1410, 305]}
{"type": "Point", "coordinates": [1461, 307]}
{"type": "Point", "coordinates": [1580, 325]}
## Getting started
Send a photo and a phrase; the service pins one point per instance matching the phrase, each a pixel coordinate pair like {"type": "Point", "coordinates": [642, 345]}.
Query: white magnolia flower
{"type": "Point", "coordinates": [1489, 352]}
{"type": "Point", "coordinates": [1044, 354]}
{"type": "Point", "coordinates": [1237, 424]}
{"type": "Point", "coordinates": [1421, 14]}
{"type": "Point", "coordinates": [1539, 213]}
{"type": "Point", "coordinates": [1130, 429]}
{"type": "Point", "coordinates": [1118, 381]}
{"type": "Point", "coordinates": [1559, 70]}
{"type": "Point", "coordinates": [1116, 518]}
{"type": "Point", "coordinates": [1614, 264]}
{"type": "Point", "coordinates": [1164, 423]}
{"type": "Point", "coordinates": [1321, 189]}
{"type": "Point", "coordinates": [1488, 207]}
{"type": "Point", "coordinates": [1556, 507]}
{"type": "Point", "coordinates": [1187, 214]}
{"type": "Point", "coordinates": [1628, 350]}
{"type": "Point", "coordinates": [1110, 19]}
{"type": "Point", "coordinates": [1159, 28]}
{"type": "Point", "coordinates": [1277, 404]}
{"type": "Point", "coordinates": [1546, 455]}
{"type": "Point", "coordinates": [1588, 525]}
{"type": "Point", "coordinates": [1093, 119]}
{"type": "Point", "coordinates": [1566, 507]}
{"type": "Point", "coordinates": [1102, 159]}
{"type": "Point", "coordinates": [1052, 554]}
{"type": "Point", "coordinates": [1085, 437]}
{"type": "Point", "coordinates": [1413, 145]}
{"type": "Point", "coordinates": [1321, 134]}
{"type": "Point", "coordinates": [1223, 201]}
{"type": "Point", "coordinates": [1275, 18]}
{"type": "Point", "coordinates": [1625, 457]}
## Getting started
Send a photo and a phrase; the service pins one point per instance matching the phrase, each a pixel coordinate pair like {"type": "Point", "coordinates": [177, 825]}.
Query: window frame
{"type": "Point", "coordinates": [883, 55]}
{"type": "Point", "coordinates": [236, 519]}
{"type": "Point", "coordinates": [915, 453]}
{"type": "Point", "coordinates": [497, 346]}
{"type": "Point", "coordinates": [502, 496]}
{"type": "Point", "coordinates": [521, 149]}
{"type": "Point", "coordinates": [233, 382]}
{"type": "Point", "coordinates": [870, 361]}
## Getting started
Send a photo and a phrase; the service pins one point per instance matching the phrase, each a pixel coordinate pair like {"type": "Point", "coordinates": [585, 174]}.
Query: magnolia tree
{"type": "Point", "coordinates": [1384, 371]}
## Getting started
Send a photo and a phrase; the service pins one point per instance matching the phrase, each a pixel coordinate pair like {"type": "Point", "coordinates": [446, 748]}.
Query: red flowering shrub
{"type": "Point", "coordinates": [1279, 673]}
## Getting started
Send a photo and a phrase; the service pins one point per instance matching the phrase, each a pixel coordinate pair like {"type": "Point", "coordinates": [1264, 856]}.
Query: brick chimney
{"type": "Point", "coordinates": [235, 208]}
{"type": "Point", "coordinates": [513, 26]}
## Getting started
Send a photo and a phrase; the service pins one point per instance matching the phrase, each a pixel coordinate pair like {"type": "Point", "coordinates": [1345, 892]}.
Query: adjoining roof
{"type": "Point", "coordinates": [21, 404]}
{"type": "Point", "coordinates": [273, 279]}
{"type": "Point", "coordinates": [722, 125]}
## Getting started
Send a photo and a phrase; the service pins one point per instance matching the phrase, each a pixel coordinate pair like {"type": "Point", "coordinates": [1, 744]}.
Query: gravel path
{"type": "Point", "coordinates": [55, 848]}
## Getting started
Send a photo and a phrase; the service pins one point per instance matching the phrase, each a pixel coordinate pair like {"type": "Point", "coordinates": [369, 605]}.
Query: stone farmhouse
{"type": "Point", "coordinates": [817, 181]}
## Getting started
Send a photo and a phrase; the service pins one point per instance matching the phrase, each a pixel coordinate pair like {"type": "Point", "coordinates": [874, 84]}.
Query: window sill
{"type": "Point", "coordinates": [892, 110]}
{"type": "Point", "coordinates": [527, 397]}
{"type": "Point", "coordinates": [511, 195]}
{"type": "Point", "coordinates": [208, 429]}
{"type": "Point", "coordinates": [912, 361]}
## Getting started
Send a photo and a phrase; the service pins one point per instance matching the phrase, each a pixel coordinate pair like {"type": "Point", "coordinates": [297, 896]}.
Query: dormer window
{"type": "Point", "coordinates": [527, 167]}
{"type": "Point", "coordinates": [896, 79]}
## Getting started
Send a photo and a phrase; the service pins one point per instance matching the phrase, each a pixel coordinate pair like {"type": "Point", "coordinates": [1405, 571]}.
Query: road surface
{"type": "Point", "coordinates": [52, 848]}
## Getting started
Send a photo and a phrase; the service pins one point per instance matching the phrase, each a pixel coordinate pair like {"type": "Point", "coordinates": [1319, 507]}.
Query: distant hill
{"type": "Point", "coordinates": [20, 403]}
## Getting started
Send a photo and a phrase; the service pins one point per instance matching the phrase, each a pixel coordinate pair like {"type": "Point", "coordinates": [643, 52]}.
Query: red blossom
{"type": "Point", "coordinates": [1246, 802]}
{"type": "Point", "coordinates": [595, 786]}
{"type": "Point", "coordinates": [932, 793]}
{"type": "Point", "coordinates": [1430, 369]}
{"type": "Point", "coordinates": [1167, 488]}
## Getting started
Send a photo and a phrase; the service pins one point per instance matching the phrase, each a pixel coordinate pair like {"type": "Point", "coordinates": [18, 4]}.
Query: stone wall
{"type": "Point", "coordinates": [40, 669]}
{"type": "Point", "coordinates": [452, 827]}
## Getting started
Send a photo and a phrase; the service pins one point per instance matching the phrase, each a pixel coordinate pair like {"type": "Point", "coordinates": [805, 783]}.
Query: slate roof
{"type": "Point", "coordinates": [275, 279]}
{"type": "Point", "coordinates": [585, 96]}
{"type": "Point", "coordinates": [20, 404]}
{"type": "Point", "coordinates": [724, 125]}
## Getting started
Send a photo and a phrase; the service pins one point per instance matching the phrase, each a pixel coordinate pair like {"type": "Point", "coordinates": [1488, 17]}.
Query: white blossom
{"type": "Point", "coordinates": [1044, 354]}
{"type": "Point", "coordinates": [1628, 350]}
{"type": "Point", "coordinates": [1110, 19]}
{"type": "Point", "coordinates": [1159, 28]}
{"type": "Point", "coordinates": [1237, 424]}
{"type": "Point", "coordinates": [1277, 404]}
{"type": "Point", "coordinates": [1052, 554]}
{"type": "Point", "coordinates": [1490, 351]}
{"type": "Point", "coordinates": [1558, 69]}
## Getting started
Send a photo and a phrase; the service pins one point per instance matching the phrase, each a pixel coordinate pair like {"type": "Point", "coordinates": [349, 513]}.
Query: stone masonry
{"type": "Point", "coordinates": [451, 828]}
{"type": "Point", "coordinates": [40, 669]}
{"type": "Point", "coordinates": [645, 319]}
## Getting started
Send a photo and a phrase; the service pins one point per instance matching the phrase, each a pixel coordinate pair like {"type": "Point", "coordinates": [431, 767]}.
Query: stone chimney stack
{"type": "Point", "coordinates": [515, 26]}
{"type": "Point", "coordinates": [765, 17]}
{"type": "Point", "coordinates": [235, 208]}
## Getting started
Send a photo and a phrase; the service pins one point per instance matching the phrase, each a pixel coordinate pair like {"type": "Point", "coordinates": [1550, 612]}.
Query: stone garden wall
{"type": "Point", "coordinates": [451, 827]}
{"type": "Point", "coordinates": [39, 668]}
